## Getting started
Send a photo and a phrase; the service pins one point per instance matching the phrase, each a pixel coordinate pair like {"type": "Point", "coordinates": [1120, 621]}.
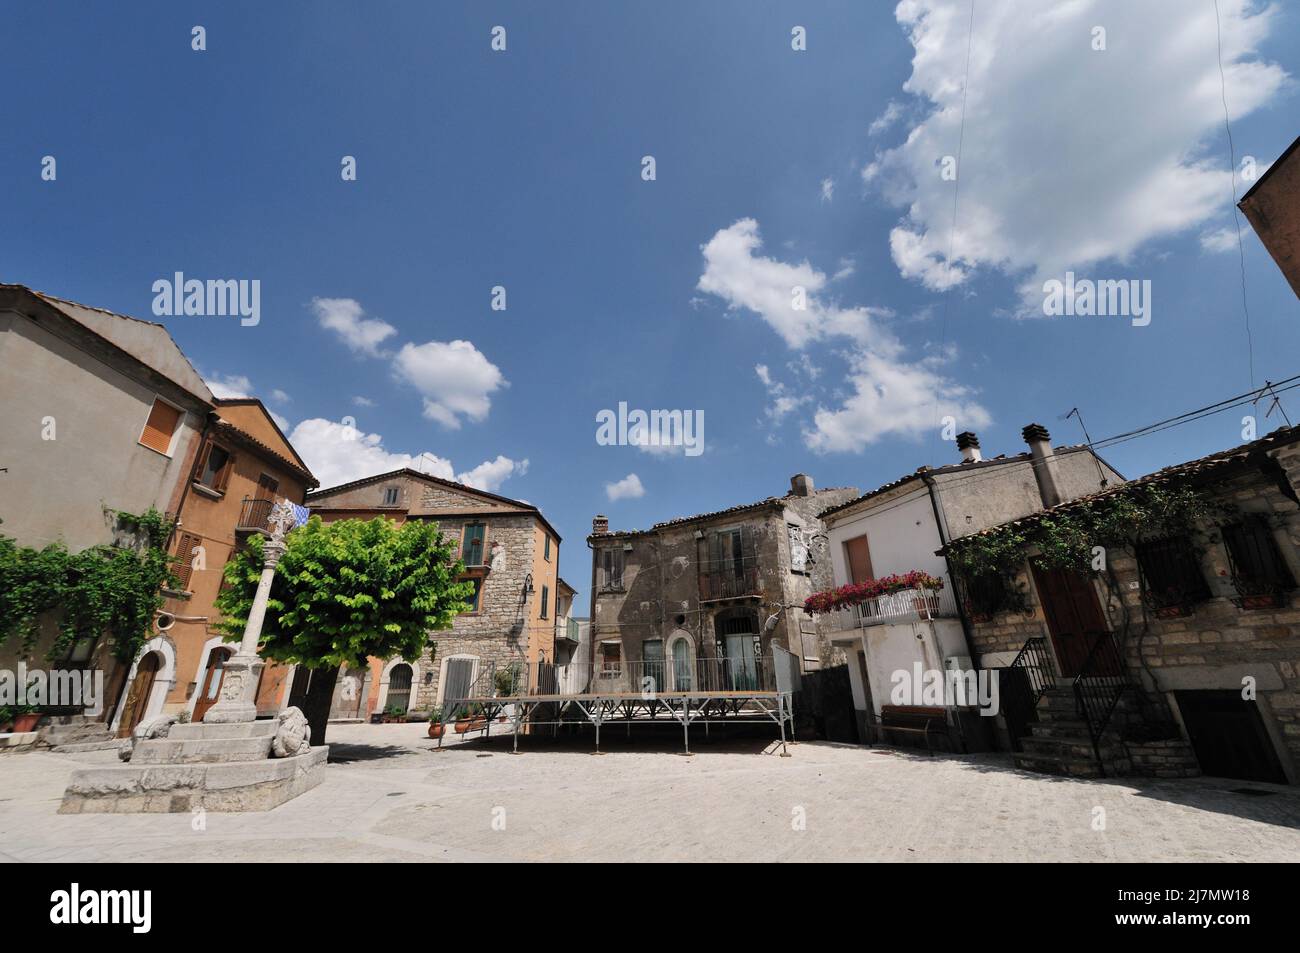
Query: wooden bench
{"type": "Point", "coordinates": [923, 720]}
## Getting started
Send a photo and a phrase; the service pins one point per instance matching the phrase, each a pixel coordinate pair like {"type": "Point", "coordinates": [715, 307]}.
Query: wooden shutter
{"type": "Point", "coordinates": [858, 554]}
{"type": "Point", "coordinates": [184, 566]}
{"type": "Point", "coordinates": [267, 487]}
{"type": "Point", "coordinates": [160, 426]}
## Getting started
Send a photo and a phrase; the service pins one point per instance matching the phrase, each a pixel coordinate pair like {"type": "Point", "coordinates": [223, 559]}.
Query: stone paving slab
{"type": "Point", "coordinates": [388, 796]}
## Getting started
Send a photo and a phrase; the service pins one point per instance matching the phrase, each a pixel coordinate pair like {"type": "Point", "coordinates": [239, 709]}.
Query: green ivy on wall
{"type": "Point", "coordinates": [111, 591]}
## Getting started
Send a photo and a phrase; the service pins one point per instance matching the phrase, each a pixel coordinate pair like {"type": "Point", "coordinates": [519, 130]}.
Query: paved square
{"type": "Point", "coordinates": [388, 797]}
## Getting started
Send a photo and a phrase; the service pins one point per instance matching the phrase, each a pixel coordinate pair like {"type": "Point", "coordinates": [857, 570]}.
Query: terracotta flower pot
{"type": "Point", "coordinates": [469, 724]}
{"type": "Point", "coordinates": [27, 722]}
{"type": "Point", "coordinates": [436, 729]}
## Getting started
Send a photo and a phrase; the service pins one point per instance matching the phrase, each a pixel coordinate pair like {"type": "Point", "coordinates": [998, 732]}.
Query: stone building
{"type": "Point", "coordinates": [1183, 655]}
{"type": "Point", "coordinates": [722, 585]}
{"type": "Point", "coordinates": [511, 554]}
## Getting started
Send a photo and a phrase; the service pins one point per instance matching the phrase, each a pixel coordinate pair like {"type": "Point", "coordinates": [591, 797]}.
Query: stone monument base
{"type": "Point", "coordinates": [220, 768]}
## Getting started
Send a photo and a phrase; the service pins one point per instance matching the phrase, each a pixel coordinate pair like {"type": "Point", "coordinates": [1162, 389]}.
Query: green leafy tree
{"type": "Point", "coordinates": [347, 591]}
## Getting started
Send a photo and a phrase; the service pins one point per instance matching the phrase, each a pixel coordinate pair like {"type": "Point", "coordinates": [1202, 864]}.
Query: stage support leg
{"type": "Point", "coordinates": [686, 725]}
{"type": "Point", "coordinates": [780, 702]}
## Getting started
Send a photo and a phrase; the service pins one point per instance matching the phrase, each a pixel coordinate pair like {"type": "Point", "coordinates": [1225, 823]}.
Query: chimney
{"type": "Point", "coordinates": [1040, 451]}
{"type": "Point", "coordinates": [801, 484]}
{"type": "Point", "coordinates": [600, 525]}
{"type": "Point", "coordinates": [969, 445]}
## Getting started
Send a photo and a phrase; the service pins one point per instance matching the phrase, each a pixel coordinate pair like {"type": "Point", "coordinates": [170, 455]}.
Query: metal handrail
{"type": "Point", "coordinates": [1034, 664]}
{"type": "Point", "coordinates": [1098, 687]}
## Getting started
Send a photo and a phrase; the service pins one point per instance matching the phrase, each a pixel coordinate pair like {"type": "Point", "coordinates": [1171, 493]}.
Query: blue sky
{"type": "Point", "coordinates": [522, 168]}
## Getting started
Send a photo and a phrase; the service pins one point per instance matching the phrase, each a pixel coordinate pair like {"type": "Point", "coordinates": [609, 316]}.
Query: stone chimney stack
{"type": "Point", "coordinates": [969, 445]}
{"type": "Point", "coordinates": [801, 484]}
{"type": "Point", "coordinates": [600, 525]}
{"type": "Point", "coordinates": [1044, 463]}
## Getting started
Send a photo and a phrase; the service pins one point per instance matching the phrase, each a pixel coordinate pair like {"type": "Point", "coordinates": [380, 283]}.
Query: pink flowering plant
{"type": "Point", "coordinates": [856, 593]}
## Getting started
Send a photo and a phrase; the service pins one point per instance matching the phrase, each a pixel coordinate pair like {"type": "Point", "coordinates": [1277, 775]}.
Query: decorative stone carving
{"type": "Point", "coordinates": [156, 727]}
{"type": "Point", "coordinates": [292, 736]}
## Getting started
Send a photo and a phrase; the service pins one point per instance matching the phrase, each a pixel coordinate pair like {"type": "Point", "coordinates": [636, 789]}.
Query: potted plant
{"type": "Point", "coordinates": [6, 719]}
{"type": "Point", "coordinates": [435, 723]}
{"type": "Point", "coordinates": [472, 720]}
{"type": "Point", "coordinates": [25, 718]}
{"type": "Point", "coordinates": [394, 714]}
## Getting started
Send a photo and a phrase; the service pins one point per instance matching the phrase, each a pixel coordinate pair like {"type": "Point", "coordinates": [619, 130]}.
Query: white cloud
{"type": "Point", "coordinates": [336, 454]}
{"type": "Point", "coordinates": [229, 386]}
{"type": "Point", "coordinates": [345, 317]}
{"type": "Point", "coordinates": [454, 378]}
{"type": "Point", "coordinates": [828, 189]}
{"type": "Point", "coordinates": [363, 401]}
{"type": "Point", "coordinates": [281, 420]}
{"type": "Point", "coordinates": [847, 267]}
{"type": "Point", "coordinates": [490, 474]}
{"type": "Point", "coordinates": [628, 488]}
{"type": "Point", "coordinates": [1219, 240]}
{"type": "Point", "coordinates": [891, 395]}
{"type": "Point", "coordinates": [1070, 156]}
{"type": "Point", "coordinates": [280, 396]}
{"type": "Point", "coordinates": [885, 119]}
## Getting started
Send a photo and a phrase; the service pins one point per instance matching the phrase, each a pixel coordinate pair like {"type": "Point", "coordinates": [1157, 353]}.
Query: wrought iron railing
{"type": "Point", "coordinates": [1022, 684]}
{"type": "Point", "coordinates": [730, 579]}
{"type": "Point", "coordinates": [1254, 560]}
{"type": "Point", "coordinates": [1171, 575]}
{"type": "Point", "coordinates": [1098, 687]}
{"type": "Point", "coordinates": [907, 605]}
{"type": "Point", "coordinates": [255, 515]}
{"type": "Point", "coordinates": [698, 676]}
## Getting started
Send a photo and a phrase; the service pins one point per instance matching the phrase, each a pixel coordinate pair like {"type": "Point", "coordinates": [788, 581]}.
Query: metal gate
{"type": "Point", "coordinates": [460, 676]}
{"type": "Point", "coordinates": [399, 688]}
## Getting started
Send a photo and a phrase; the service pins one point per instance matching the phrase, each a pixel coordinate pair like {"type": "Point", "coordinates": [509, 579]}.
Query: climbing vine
{"type": "Point", "coordinates": [111, 590]}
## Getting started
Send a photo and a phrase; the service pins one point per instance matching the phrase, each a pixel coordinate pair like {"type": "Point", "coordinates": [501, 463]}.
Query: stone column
{"type": "Point", "coordinates": [243, 671]}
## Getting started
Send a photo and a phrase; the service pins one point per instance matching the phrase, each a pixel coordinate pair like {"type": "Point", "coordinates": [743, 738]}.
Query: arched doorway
{"type": "Point", "coordinates": [682, 655]}
{"type": "Point", "coordinates": [399, 688]}
{"type": "Point", "coordinates": [738, 642]}
{"type": "Point", "coordinates": [210, 688]}
{"type": "Point", "coordinates": [137, 698]}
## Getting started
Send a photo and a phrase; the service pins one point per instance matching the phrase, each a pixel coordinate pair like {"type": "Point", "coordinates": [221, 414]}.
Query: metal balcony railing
{"type": "Point", "coordinates": [730, 579]}
{"type": "Point", "coordinates": [907, 605]}
{"type": "Point", "coordinates": [567, 629]}
{"type": "Point", "coordinates": [255, 515]}
{"type": "Point", "coordinates": [740, 674]}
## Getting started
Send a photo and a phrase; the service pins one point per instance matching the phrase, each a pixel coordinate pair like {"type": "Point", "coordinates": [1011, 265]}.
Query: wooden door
{"type": "Point", "coordinates": [1229, 736]}
{"type": "Point", "coordinates": [858, 556]}
{"type": "Point", "coordinates": [210, 690]}
{"type": "Point", "coordinates": [137, 699]}
{"type": "Point", "coordinates": [1074, 618]}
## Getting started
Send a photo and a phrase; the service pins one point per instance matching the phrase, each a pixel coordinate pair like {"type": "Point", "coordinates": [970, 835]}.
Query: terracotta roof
{"type": "Point", "coordinates": [450, 484]}
{"type": "Point", "coordinates": [925, 471]}
{"type": "Point", "coordinates": [302, 464]}
{"type": "Point", "coordinates": [1279, 161]}
{"type": "Point", "coordinates": [243, 436]}
{"type": "Point", "coordinates": [1210, 466]}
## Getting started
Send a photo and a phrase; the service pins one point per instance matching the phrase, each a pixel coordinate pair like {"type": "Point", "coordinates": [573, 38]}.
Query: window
{"type": "Point", "coordinates": [267, 487]}
{"type": "Point", "coordinates": [1171, 575]}
{"type": "Point", "coordinates": [390, 495]}
{"type": "Point", "coordinates": [612, 564]}
{"type": "Point", "coordinates": [798, 548]}
{"type": "Point", "coordinates": [215, 464]}
{"type": "Point", "coordinates": [183, 567]}
{"type": "Point", "coordinates": [546, 550]}
{"type": "Point", "coordinates": [546, 596]}
{"type": "Point", "coordinates": [475, 599]}
{"type": "Point", "coordinates": [983, 595]}
{"type": "Point", "coordinates": [611, 658]}
{"type": "Point", "coordinates": [160, 427]}
{"type": "Point", "coordinates": [471, 550]}
{"type": "Point", "coordinates": [1257, 565]}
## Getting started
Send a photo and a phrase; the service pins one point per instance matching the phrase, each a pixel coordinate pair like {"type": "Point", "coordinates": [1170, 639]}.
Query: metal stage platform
{"type": "Point", "coordinates": [707, 692]}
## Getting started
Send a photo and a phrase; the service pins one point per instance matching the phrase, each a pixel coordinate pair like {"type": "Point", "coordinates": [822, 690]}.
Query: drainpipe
{"type": "Point", "coordinates": [944, 540]}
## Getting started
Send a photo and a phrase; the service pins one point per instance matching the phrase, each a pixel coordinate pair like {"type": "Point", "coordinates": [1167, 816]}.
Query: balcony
{"type": "Point", "coordinates": [566, 630]}
{"type": "Point", "coordinates": [730, 579]}
{"type": "Point", "coordinates": [254, 516]}
{"type": "Point", "coordinates": [907, 605]}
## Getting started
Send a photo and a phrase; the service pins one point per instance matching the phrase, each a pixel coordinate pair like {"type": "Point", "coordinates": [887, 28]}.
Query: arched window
{"type": "Point", "coordinates": [399, 688]}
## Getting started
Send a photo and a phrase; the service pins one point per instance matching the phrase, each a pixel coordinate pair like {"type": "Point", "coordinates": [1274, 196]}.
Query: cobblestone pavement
{"type": "Point", "coordinates": [388, 796]}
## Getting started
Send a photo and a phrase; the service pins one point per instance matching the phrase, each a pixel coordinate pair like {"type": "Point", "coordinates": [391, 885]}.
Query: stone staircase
{"type": "Point", "coordinates": [1058, 743]}
{"type": "Point", "coordinates": [70, 734]}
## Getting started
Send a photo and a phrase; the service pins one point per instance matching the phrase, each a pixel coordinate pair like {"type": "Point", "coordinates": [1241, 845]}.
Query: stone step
{"type": "Point", "coordinates": [201, 750]}
{"type": "Point", "coordinates": [102, 745]}
{"type": "Point", "coordinates": [1057, 764]}
{"type": "Point", "coordinates": [200, 730]}
{"type": "Point", "coordinates": [181, 788]}
{"type": "Point", "coordinates": [1079, 748]}
{"type": "Point", "coordinates": [56, 735]}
